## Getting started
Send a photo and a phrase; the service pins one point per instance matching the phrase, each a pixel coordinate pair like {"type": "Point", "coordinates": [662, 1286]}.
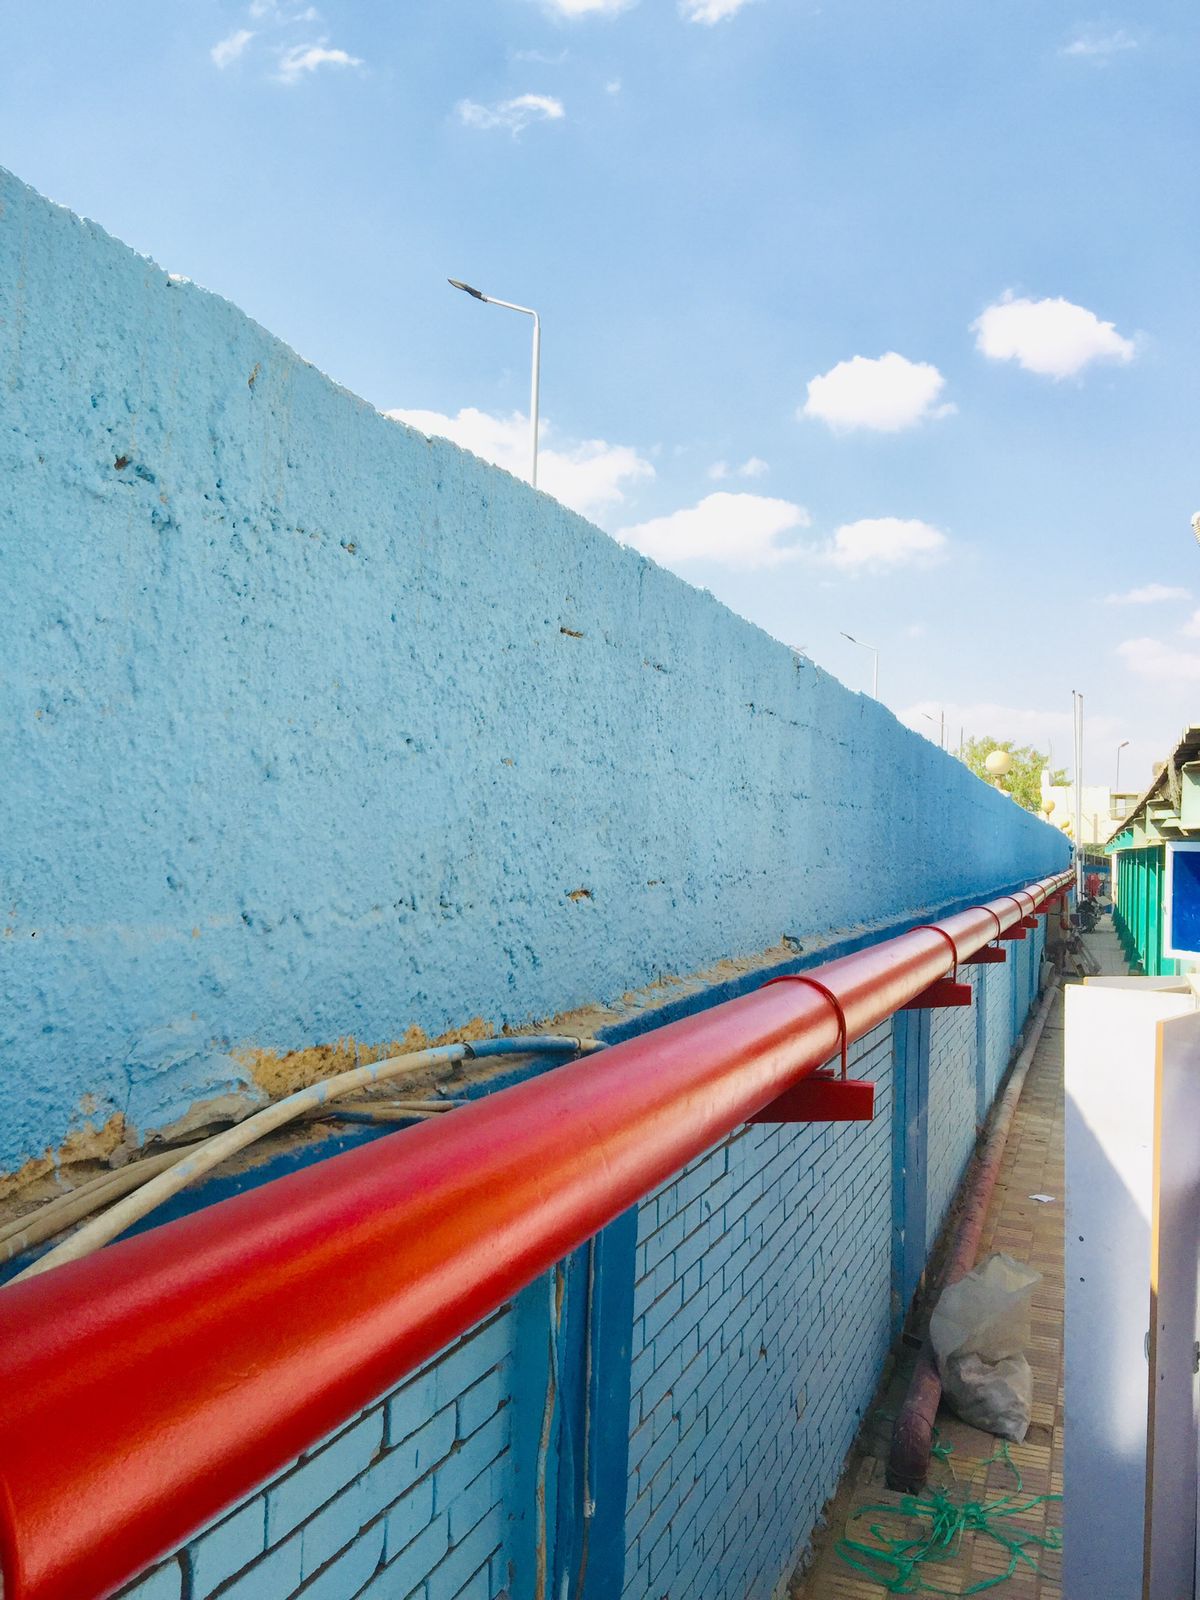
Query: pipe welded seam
{"type": "Point", "coordinates": [152, 1385]}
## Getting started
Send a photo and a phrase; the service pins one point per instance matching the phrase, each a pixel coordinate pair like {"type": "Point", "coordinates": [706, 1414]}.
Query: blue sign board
{"type": "Point", "coordinates": [1181, 904]}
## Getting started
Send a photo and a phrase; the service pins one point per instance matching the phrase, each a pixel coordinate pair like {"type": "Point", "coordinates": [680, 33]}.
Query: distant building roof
{"type": "Point", "coordinates": [1170, 807]}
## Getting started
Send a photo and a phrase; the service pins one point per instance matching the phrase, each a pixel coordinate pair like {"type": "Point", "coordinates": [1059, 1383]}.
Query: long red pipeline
{"type": "Point", "coordinates": [148, 1387]}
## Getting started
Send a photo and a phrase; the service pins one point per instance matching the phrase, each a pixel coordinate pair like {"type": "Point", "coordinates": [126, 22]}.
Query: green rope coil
{"type": "Point", "coordinates": [895, 1563]}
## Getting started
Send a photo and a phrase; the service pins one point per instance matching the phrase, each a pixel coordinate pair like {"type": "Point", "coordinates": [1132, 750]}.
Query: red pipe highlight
{"type": "Point", "coordinates": [151, 1386]}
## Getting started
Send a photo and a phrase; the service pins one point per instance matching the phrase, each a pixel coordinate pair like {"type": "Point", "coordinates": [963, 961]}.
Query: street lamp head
{"type": "Point", "coordinates": [466, 288]}
{"type": "Point", "coordinates": [1196, 525]}
{"type": "Point", "coordinates": [849, 636]}
{"type": "Point", "coordinates": [998, 763]}
{"type": "Point", "coordinates": [1122, 744]}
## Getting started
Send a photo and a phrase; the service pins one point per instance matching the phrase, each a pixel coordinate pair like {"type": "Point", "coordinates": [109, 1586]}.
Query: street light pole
{"type": "Point", "coordinates": [941, 727]}
{"type": "Point", "coordinates": [1117, 784]}
{"type": "Point", "coordinates": [526, 311]}
{"type": "Point", "coordinates": [875, 664]}
{"type": "Point", "coordinates": [1077, 704]}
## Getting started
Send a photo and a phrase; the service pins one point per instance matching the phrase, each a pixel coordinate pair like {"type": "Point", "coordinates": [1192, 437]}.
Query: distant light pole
{"type": "Point", "coordinates": [1120, 747]}
{"type": "Point", "coordinates": [537, 361]}
{"type": "Point", "coordinates": [941, 727]}
{"type": "Point", "coordinates": [1077, 706]}
{"type": "Point", "coordinates": [875, 666]}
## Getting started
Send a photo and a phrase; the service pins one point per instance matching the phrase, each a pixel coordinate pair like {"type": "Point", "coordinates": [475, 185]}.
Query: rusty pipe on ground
{"type": "Point", "coordinates": [912, 1431]}
{"type": "Point", "coordinates": [189, 1364]}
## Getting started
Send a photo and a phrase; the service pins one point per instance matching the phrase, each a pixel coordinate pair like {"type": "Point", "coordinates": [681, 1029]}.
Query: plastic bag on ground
{"type": "Point", "coordinates": [979, 1330]}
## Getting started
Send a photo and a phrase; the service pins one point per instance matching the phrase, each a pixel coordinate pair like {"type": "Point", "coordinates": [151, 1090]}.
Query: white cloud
{"type": "Point", "coordinates": [588, 8]}
{"type": "Point", "coordinates": [514, 115]}
{"type": "Point", "coordinates": [709, 12]}
{"type": "Point", "coordinates": [885, 394]}
{"type": "Point", "coordinates": [298, 59]}
{"type": "Point", "coordinates": [879, 542]}
{"type": "Point", "coordinates": [1052, 337]}
{"type": "Point", "coordinates": [1191, 628]}
{"type": "Point", "coordinates": [1153, 658]}
{"type": "Point", "coordinates": [915, 630]}
{"type": "Point", "coordinates": [755, 467]}
{"type": "Point", "coordinates": [734, 530]}
{"type": "Point", "coordinates": [281, 15]}
{"type": "Point", "coordinates": [588, 475]}
{"type": "Point", "coordinates": [1099, 47]}
{"type": "Point", "coordinates": [230, 48]}
{"type": "Point", "coordinates": [1149, 594]}
{"type": "Point", "coordinates": [543, 57]}
{"type": "Point", "coordinates": [613, 86]}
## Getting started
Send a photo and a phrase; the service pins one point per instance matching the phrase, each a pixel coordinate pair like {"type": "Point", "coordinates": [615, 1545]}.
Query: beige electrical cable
{"type": "Point", "coordinates": [201, 1158]}
{"type": "Point", "coordinates": [60, 1213]}
{"type": "Point", "coordinates": [388, 1111]}
{"type": "Point", "coordinates": [61, 1200]}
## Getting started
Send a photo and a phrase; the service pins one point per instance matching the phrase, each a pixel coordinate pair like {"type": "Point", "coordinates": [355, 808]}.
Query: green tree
{"type": "Point", "coordinates": [1023, 780]}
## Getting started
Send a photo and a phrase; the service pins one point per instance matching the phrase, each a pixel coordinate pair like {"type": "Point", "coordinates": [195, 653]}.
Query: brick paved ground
{"type": "Point", "coordinates": [1031, 1231]}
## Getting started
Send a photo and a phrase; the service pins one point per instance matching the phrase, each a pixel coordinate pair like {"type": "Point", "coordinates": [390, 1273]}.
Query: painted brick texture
{"type": "Point", "coordinates": [952, 1104]}
{"type": "Point", "coordinates": [998, 1003]}
{"type": "Point", "coordinates": [762, 1318]}
{"type": "Point", "coordinates": [409, 1502]}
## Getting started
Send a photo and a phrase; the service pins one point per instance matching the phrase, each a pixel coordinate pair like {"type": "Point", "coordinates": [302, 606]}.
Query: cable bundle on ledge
{"type": "Point", "coordinates": [157, 1178]}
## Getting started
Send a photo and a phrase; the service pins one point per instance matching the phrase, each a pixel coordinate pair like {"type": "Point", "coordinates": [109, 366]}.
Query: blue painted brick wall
{"type": "Point", "coordinates": [952, 1107]}
{"type": "Point", "coordinates": [411, 1501]}
{"type": "Point", "coordinates": [998, 1027]}
{"type": "Point", "coordinates": [761, 1321]}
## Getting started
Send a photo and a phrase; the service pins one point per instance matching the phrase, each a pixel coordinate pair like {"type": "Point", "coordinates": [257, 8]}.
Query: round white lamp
{"type": "Point", "coordinates": [998, 763]}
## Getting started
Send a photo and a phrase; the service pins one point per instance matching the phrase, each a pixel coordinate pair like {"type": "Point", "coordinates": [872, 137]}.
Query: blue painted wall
{"type": "Point", "coordinates": [297, 744]}
{"type": "Point", "coordinates": [762, 1320]}
{"type": "Point", "coordinates": [412, 1499]}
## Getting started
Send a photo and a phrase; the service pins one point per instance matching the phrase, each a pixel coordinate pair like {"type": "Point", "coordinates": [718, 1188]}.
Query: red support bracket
{"type": "Point", "coordinates": [991, 955]}
{"type": "Point", "coordinates": [822, 1098]}
{"type": "Point", "coordinates": [1027, 922]}
{"type": "Point", "coordinates": [1017, 931]}
{"type": "Point", "coordinates": [945, 992]}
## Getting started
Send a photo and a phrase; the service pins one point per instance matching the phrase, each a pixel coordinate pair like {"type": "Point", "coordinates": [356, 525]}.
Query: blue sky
{"type": "Point", "coordinates": [864, 316]}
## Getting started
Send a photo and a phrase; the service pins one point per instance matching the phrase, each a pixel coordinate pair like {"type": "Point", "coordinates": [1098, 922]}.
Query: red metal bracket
{"type": "Point", "coordinates": [822, 1098]}
{"type": "Point", "coordinates": [815, 983]}
{"type": "Point", "coordinates": [1017, 931]}
{"type": "Point", "coordinates": [992, 955]}
{"type": "Point", "coordinates": [932, 927]}
{"type": "Point", "coordinates": [1016, 902]}
{"type": "Point", "coordinates": [945, 992]}
{"type": "Point", "coordinates": [1027, 922]}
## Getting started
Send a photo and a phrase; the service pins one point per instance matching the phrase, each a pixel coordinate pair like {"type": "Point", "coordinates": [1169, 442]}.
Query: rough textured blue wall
{"type": "Point", "coordinates": [763, 1316]}
{"type": "Point", "coordinates": [411, 1501]}
{"type": "Point", "coordinates": [316, 728]}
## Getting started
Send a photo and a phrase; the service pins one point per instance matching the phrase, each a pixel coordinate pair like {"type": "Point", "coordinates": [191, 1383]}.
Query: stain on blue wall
{"type": "Point", "coordinates": [298, 745]}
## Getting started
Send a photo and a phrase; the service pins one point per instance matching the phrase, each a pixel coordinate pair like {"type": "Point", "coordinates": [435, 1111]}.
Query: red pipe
{"type": "Point", "coordinates": [150, 1386]}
